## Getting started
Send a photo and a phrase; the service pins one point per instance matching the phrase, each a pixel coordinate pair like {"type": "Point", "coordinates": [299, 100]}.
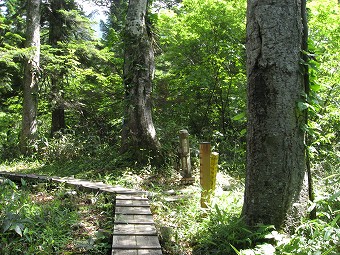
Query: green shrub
{"type": "Point", "coordinates": [44, 219]}
{"type": "Point", "coordinates": [226, 233]}
{"type": "Point", "coordinates": [322, 235]}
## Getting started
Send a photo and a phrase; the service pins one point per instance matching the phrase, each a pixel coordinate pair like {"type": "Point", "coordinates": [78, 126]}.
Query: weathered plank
{"type": "Point", "coordinates": [134, 231]}
{"type": "Point", "coordinates": [131, 197]}
{"type": "Point", "coordinates": [138, 210]}
{"type": "Point", "coordinates": [135, 242]}
{"type": "Point", "coordinates": [136, 245]}
{"type": "Point", "coordinates": [137, 252]}
{"type": "Point", "coordinates": [131, 203]}
{"type": "Point", "coordinates": [79, 183]}
{"type": "Point", "coordinates": [133, 219]}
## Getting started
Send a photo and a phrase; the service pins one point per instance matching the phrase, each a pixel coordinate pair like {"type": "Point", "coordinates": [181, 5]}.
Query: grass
{"type": "Point", "coordinates": [185, 228]}
{"type": "Point", "coordinates": [53, 219]}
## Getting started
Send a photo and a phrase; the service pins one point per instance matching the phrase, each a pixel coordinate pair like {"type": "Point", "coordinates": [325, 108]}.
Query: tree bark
{"type": "Point", "coordinates": [56, 34]}
{"type": "Point", "coordinates": [275, 179]}
{"type": "Point", "coordinates": [31, 77]}
{"type": "Point", "coordinates": [138, 135]}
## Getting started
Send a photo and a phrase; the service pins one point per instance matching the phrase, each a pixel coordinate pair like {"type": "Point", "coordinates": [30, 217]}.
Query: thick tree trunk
{"type": "Point", "coordinates": [56, 35]}
{"type": "Point", "coordinates": [139, 135]}
{"type": "Point", "coordinates": [58, 120]}
{"type": "Point", "coordinates": [31, 76]}
{"type": "Point", "coordinates": [274, 192]}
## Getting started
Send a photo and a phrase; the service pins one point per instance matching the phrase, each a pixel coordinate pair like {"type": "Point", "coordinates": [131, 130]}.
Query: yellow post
{"type": "Point", "coordinates": [213, 169]}
{"type": "Point", "coordinates": [205, 179]}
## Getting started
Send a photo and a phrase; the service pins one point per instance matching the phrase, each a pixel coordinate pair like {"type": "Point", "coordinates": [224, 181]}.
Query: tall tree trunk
{"type": "Point", "coordinates": [56, 35]}
{"type": "Point", "coordinates": [138, 135]}
{"type": "Point", "coordinates": [31, 77]}
{"type": "Point", "coordinates": [275, 179]}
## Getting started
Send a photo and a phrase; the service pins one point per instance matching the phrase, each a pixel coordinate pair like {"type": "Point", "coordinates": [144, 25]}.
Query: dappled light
{"type": "Point", "coordinates": [181, 127]}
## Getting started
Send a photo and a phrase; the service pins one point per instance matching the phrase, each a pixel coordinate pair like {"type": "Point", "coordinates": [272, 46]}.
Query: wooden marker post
{"type": "Point", "coordinates": [184, 150]}
{"type": "Point", "coordinates": [213, 169]}
{"type": "Point", "coordinates": [208, 167]}
{"type": "Point", "coordinates": [205, 178]}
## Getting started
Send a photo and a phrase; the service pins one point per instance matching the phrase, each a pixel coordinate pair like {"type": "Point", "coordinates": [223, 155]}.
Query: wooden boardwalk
{"type": "Point", "coordinates": [134, 230]}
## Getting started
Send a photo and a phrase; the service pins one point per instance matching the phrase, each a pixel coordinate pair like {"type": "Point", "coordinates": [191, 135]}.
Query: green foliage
{"type": "Point", "coordinates": [225, 233]}
{"type": "Point", "coordinates": [200, 85]}
{"type": "Point", "coordinates": [35, 229]}
{"type": "Point", "coordinates": [92, 93]}
{"type": "Point", "coordinates": [10, 128]}
{"type": "Point", "coordinates": [319, 236]}
{"type": "Point", "coordinates": [11, 56]}
{"type": "Point", "coordinates": [323, 101]}
{"type": "Point", "coordinates": [42, 219]}
{"type": "Point", "coordinates": [200, 82]}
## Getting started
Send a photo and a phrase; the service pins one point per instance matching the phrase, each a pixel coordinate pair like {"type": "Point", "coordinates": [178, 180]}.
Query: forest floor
{"type": "Point", "coordinates": [43, 218]}
{"type": "Point", "coordinates": [185, 228]}
{"type": "Point", "coordinates": [175, 205]}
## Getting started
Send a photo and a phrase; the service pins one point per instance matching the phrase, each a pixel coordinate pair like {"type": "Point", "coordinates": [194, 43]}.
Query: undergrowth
{"type": "Point", "coordinates": [183, 226]}
{"type": "Point", "coordinates": [45, 219]}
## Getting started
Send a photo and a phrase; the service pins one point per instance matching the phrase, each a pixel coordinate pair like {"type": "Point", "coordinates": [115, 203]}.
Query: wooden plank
{"type": "Point", "coordinates": [128, 242]}
{"type": "Point", "coordinates": [124, 252]}
{"type": "Point", "coordinates": [135, 222]}
{"type": "Point", "coordinates": [134, 229]}
{"type": "Point", "coordinates": [133, 210]}
{"type": "Point", "coordinates": [96, 185]}
{"type": "Point", "coordinates": [130, 191]}
{"type": "Point", "coordinates": [135, 247]}
{"type": "Point", "coordinates": [130, 197]}
{"type": "Point", "coordinates": [133, 219]}
{"type": "Point", "coordinates": [18, 177]}
{"type": "Point", "coordinates": [137, 252]}
{"type": "Point", "coordinates": [120, 190]}
{"type": "Point", "coordinates": [148, 241]}
{"type": "Point", "coordinates": [150, 252]}
{"type": "Point", "coordinates": [131, 203]}
{"type": "Point", "coordinates": [142, 247]}
{"type": "Point", "coordinates": [76, 182]}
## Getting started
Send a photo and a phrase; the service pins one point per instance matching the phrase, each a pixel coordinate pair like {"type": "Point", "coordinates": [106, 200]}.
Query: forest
{"type": "Point", "coordinates": [259, 80]}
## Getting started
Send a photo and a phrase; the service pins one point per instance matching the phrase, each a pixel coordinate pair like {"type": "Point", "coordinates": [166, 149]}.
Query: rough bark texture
{"type": "Point", "coordinates": [56, 34]}
{"type": "Point", "coordinates": [275, 151]}
{"type": "Point", "coordinates": [139, 135]}
{"type": "Point", "coordinates": [31, 76]}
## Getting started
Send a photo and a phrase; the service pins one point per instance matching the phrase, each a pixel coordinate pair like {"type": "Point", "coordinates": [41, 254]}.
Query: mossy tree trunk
{"type": "Point", "coordinates": [31, 78]}
{"type": "Point", "coordinates": [138, 136]}
{"type": "Point", "coordinates": [275, 178]}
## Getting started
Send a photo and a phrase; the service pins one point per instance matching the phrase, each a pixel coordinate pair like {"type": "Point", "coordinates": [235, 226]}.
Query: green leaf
{"type": "Point", "coordinates": [335, 196]}
{"type": "Point", "coordinates": [240, 116]}
{"type": "Point", "coordinates": [6, 225]}
{"type": "Point", "coordinates": [23, 182]}
{"type": "Point", "coordinates": [302, 106]}
{"type": "Point", "coordinates": [315, 87]}
{"type": "Point", "coordinates": [237, 252]}
{"type": "Point", "coordinates": [18, 229]}
{"type": "Point", "coordinates": [335, 221]}
{"type": "Point", "coordinates": [243, 132]}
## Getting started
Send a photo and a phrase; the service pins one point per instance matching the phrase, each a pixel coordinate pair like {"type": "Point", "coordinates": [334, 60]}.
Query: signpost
{"type": "Point", "coordinates": [184, 150]}
{"type": "Point", "coordinates": [208, 171]}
